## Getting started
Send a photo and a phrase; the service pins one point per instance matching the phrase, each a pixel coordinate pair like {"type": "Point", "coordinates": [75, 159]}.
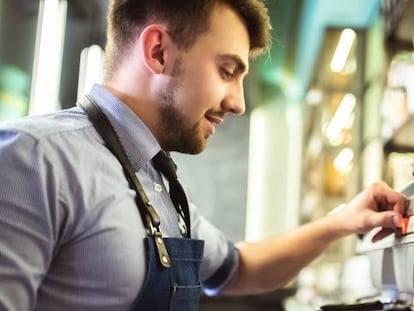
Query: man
{"type": "Point", "coordinates": [78, 232]}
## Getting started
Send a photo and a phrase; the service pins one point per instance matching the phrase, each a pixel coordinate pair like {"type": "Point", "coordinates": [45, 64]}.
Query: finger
{"type": "Point", "coordinates": [388, 199]}
{"type": "Point", "coordinates": [388, 219]}
{"type": "Point", "coordinates": [401, 206]}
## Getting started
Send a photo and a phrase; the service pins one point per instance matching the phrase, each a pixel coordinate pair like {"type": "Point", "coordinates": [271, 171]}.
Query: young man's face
{"type": "Point", "coordinates": [206, 84]}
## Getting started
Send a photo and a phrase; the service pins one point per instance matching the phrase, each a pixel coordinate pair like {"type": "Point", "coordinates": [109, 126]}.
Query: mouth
{"type": "Point", "coordinates": [213, 121]}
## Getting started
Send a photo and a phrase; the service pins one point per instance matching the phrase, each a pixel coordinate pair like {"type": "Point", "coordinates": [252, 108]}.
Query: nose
{"type": "Point", "coordinates": [234, 102]}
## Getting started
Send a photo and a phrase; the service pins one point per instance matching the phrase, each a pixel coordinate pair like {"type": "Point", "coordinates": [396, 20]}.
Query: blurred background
{"type": "Point", "coordinates": [329, 110]}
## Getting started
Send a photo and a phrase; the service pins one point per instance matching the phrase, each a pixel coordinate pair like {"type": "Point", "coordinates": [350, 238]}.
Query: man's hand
{"type": "Point", "coordinates": [377, 206]}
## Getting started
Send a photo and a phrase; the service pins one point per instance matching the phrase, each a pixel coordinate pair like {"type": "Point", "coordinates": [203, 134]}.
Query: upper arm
{"type": "Point", "coordinates": [27, 235]}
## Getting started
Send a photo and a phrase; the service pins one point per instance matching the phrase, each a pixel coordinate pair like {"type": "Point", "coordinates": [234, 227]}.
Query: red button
{"type": "Point", "coordinates": [404, 225]}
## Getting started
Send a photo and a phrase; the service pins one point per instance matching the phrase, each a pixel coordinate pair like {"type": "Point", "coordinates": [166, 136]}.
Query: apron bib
{"type": "Point", "coordinates": [176, 288]}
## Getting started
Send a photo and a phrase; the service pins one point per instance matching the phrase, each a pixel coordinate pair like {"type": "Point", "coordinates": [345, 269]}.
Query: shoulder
{"type": "Point", "coordinates": [42, 127]}
{"type": "Point", "coordinates": [64, 134]}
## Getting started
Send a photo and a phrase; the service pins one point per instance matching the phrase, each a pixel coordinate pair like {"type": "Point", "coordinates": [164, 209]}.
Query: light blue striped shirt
{"type": "Point", "coordinates": [71, 237]}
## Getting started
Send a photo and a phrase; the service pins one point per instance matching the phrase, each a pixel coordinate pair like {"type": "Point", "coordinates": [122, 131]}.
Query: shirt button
{"type": "Point", "coordinates": [157, 187]}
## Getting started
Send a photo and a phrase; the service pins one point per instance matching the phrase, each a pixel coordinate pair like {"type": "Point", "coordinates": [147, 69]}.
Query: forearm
{"type": "Point", "coordinates": [271, 263]}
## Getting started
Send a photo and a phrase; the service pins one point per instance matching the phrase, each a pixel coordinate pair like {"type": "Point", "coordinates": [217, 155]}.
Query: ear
{"type": "Point", "coordinates": [154, 44]}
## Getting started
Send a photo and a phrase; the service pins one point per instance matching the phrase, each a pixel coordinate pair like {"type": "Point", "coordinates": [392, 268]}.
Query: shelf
{"type": "Point", "coordinates": [403, 138]}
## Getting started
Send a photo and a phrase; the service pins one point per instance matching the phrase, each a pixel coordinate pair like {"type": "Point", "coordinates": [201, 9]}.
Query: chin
{"type": "Point", "coordinates": [195, 150]}
{"type": "Point", "coordinates": [191, 147]}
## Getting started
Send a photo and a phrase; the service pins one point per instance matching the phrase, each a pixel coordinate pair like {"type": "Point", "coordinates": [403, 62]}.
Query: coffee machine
{"type": "Point", "coordinates": [403, 250]}
{"type": "Point", "coordinates": [391, 262]}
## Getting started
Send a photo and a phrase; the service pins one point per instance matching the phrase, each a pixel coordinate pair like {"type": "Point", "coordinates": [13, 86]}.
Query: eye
{"type": "Point", "coordinates": [227, 74]}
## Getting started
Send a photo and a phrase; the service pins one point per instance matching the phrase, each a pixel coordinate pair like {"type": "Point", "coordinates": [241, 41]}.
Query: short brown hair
{"type": "Point", "coordinates": [185, 19]}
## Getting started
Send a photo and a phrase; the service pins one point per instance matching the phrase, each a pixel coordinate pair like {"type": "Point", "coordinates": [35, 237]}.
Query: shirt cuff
{"type": "Point", "coordinates": [214, 285]}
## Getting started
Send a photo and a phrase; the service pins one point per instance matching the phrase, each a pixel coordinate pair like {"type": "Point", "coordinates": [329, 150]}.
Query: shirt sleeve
{"type": "Point", "coordinates": [26, 235]}
{"type": "Point", "coordinates": [221, 258]}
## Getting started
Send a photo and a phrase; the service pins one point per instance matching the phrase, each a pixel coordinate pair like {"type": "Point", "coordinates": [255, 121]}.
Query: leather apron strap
{"type": "Point", "coordinates": [148, 214]}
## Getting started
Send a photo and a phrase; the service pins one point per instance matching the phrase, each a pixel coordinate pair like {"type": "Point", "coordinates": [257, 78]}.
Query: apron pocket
{"type": "Point", "coordinates": [185, 298]}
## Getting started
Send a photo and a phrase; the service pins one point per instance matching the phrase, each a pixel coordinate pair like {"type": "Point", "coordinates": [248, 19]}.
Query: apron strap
{"type": "Point", "coordinates": [148, 214]}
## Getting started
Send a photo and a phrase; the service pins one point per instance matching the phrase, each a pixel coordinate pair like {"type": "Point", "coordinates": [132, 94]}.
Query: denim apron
{"type": "Point", "coordinates": [176, 288]}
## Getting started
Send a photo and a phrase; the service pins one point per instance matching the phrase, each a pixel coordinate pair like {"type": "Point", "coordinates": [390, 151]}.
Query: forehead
{"type": "Point", "coordinates": [227, 34]}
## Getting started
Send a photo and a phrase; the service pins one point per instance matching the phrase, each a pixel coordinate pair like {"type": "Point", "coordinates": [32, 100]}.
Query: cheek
{"type": "Point", "coordinates": [204, 91]}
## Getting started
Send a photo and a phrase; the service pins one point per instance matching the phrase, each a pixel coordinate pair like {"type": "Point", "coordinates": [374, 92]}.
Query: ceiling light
{"type": "Point", "coordinates": [342, 50]}
{"type": "Point", "coordinates": [343, 160]}
{"type": "Point", "coordinates": [341, 116]}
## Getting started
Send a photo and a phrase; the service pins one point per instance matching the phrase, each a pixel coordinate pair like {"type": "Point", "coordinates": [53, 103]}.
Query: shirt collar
{"type": "Point", "coordinates": [139, 143]}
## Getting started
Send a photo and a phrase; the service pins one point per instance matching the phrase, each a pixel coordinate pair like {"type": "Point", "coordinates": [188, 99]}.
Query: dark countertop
{"type": "Point", "coordinates": [264, 302]}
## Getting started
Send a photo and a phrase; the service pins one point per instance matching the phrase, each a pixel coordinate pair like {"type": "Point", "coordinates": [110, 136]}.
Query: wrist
{"type": "Point", "coordinates": [339, 223]}
{"type": "Point", "coordinates": [337, 209]}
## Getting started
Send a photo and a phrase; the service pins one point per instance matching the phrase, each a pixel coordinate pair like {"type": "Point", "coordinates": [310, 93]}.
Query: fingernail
{"type": "Point", "coordinates": [397, 220]}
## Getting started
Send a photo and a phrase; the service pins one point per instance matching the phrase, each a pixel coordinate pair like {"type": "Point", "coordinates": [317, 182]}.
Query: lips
{"type": "Point", "coordinates": [213, 121]}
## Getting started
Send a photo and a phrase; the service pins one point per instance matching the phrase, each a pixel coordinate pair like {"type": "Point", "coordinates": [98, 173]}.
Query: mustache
{"type": "Point", "coordinates": [216, 113]}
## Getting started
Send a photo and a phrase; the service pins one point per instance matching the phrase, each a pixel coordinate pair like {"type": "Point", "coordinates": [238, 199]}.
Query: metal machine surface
{"type": "Point", "coordinates": [403, 249]}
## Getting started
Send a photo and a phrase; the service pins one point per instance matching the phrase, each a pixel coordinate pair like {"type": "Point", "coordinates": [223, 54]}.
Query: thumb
{"type": "Point", "coordinates": [388, 221]}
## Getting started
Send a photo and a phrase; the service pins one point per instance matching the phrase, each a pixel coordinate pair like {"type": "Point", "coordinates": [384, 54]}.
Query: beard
{"type": "Point", "coordinates": [177, 133]}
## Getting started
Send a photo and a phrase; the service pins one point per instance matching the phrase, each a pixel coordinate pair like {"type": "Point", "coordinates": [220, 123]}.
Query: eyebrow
{"type": "Point", "coordinates": [241, 66]}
